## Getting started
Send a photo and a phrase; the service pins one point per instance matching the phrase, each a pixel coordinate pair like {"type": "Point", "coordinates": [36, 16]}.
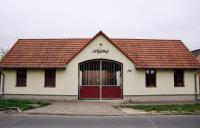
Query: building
{"type": "Point", "coordinates": [100, 68]}
{"type": "Point", "coordinates": [196, 53]}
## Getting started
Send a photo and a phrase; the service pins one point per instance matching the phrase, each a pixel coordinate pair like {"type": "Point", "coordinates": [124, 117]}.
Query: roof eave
{"type": "Point", "coordinates": [31, 67]}
{"type": "Point", "coordinates": [187, 68]}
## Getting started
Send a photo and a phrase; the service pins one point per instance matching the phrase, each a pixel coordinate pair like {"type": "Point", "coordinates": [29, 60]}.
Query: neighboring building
{"type": "Point", "coordinates": [197, 55]}
{"type": "Point", "coordinates": [100, 68]}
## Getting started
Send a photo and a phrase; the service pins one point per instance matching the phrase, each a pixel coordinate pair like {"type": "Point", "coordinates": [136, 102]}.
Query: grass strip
{"type": "Point", "coordinates": [180, 108]}
{"type": "Point", "coordinates": [22, 104]}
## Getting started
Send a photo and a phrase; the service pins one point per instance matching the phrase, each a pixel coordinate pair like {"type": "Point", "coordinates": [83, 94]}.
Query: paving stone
{"type": "Point", "coordinates": [78, 108]}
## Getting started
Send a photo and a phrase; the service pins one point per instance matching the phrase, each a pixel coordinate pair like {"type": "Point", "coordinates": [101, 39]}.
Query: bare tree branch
{"type": "Point", "coordinates": [2, 53]}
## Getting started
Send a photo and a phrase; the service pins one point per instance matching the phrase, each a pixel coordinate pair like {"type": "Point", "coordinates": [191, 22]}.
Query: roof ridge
{"type": "Point", "coordinates": [74, 38]}
{"type": "Point", "coordinates": [145, 39]}
{"type": "Point", "coordinates": [53, 38]}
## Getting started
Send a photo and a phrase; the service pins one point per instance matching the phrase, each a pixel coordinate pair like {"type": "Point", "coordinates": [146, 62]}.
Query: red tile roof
{"type": "Point", "coordinates": [56, 53]}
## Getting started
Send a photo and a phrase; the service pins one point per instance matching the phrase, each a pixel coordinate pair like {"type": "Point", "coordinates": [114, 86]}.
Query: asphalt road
{"type": "Point", "coordinates": [49, 121]}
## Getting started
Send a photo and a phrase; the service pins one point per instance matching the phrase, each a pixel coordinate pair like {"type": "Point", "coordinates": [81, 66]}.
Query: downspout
{"type": "Point", "coordinates": [196, 86]}
{"type": "Point", "coordinates": [3, 81]}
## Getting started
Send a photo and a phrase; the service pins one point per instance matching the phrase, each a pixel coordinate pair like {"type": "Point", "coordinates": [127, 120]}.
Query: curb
{"type": "Point", "coordinates": [11, 108]}
{"type": "Point", "coordinates": [68, 114]}
{"type": "Point", "coordinates": [126, 115]}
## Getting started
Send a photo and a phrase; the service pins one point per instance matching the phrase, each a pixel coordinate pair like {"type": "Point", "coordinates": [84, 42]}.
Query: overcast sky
{"type": "Point", "coordinates": [162, 19]}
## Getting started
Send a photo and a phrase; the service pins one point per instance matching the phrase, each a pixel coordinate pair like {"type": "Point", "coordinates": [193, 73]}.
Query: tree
{"type": "Point", "coordinates": [2, 53]}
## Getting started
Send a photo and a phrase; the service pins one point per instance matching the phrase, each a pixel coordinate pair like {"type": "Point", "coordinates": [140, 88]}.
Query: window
{"type": "Point", "coordinates": [178, 78]}
{"type": "Point", "coordinates": [21, 77]}
{"type": "Point", "coordinates": [150, 78]}
{"type": "Point", "coordinates": [50, 77]}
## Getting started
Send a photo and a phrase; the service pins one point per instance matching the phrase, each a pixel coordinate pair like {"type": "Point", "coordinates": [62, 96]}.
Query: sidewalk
{"type": "Point", "coordinates": [89, 108]}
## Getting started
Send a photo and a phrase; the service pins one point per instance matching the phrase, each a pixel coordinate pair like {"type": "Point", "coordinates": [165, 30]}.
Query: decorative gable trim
{"type": "Point", "coordinates": [104, 35]}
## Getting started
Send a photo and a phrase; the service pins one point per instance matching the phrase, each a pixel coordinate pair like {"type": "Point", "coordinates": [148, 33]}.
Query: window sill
{"type": "Point", "coordinates": [151, 86]}
{"type": "Point", "coordinates": [179, 86]}
{"type": "Point", "coordinates": [49, 86]}
{"type": "Point", "coordinates": [19, 86]}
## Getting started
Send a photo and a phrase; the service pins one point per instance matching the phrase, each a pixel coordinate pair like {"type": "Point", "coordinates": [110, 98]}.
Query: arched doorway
{"type": "Point", "coordinates": [100, 79]}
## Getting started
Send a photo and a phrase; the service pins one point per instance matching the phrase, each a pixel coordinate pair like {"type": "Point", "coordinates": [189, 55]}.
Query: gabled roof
{"type": "Point", "coordinates": [56, 53]}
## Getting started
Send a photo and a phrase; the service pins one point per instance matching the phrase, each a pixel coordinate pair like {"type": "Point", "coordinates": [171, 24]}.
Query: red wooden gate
{"type": "Point", "coordinates": [93, 92]}
{"type": "Point", "coordinates": [100, 79]}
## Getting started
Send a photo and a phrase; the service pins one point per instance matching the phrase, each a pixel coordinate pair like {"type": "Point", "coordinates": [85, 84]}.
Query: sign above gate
{"type": "Point", "coordinates": [100, 51]}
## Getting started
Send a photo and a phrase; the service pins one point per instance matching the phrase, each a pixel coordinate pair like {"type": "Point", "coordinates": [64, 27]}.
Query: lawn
{"type": "Point", "coordinates": [175, 108]}
{"type": "Point", "coordinates": [21, 104]}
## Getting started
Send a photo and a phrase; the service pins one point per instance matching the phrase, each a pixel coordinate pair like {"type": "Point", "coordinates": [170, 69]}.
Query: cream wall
{"type": "Point", "coordinates": [35, 83]}
{"type": "Point", "coordinates": [67, 80]}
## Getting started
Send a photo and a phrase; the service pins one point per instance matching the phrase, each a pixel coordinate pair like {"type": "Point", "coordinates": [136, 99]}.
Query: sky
{"type": "Point", "coordinates": [145, 19]}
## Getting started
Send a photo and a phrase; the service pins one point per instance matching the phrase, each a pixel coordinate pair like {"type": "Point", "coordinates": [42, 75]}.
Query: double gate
{"type": "Point", "coordinates": [100, 79]}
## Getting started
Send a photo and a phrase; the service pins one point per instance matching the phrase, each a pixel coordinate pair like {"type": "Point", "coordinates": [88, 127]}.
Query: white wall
{"type": "Point", "coordinates": [67, 80]}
